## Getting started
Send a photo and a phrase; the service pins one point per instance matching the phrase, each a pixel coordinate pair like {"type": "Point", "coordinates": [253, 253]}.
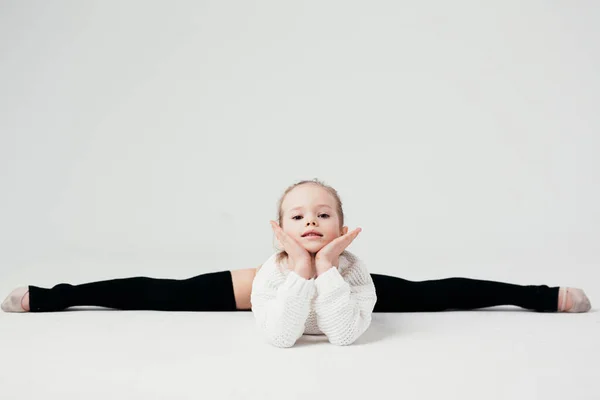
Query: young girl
{"type": "Point", "coordinates": [312, 286]}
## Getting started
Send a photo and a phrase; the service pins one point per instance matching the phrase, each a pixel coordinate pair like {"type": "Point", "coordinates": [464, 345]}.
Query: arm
{"type": "Point", "coordinates": [281, 304]}
{"type": "Point", "coordinates": [344, 304]}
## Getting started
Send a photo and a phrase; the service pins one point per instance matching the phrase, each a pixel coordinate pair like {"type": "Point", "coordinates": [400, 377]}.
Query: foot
{"type": "Point", "coordinates": [573, 300]}
{"type": "Point", "coordinates": [17, 301]}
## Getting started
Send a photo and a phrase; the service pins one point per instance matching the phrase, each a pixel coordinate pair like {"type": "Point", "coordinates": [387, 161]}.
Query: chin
{"type": "Point", "coordinates": [314, 248]}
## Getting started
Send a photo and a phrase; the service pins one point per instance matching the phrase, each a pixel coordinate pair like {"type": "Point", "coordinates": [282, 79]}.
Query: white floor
{"type": "Point", "coordinates": [498, 353]}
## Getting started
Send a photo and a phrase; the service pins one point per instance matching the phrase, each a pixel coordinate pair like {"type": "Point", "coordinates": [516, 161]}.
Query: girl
{"type": "Point", "coordinates": [315, 286]}
{"type": "Point", "coordinates": [306, 265]}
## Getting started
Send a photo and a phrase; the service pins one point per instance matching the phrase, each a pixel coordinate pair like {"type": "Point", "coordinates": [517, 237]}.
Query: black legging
{"type": "Point", "coordinates": [214, 292]}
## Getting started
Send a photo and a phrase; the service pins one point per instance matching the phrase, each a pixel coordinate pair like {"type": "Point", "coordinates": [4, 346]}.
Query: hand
{"type": "Point", "coordinates": [299, 259]}
{"type": "Point", "coordinates": [328, 256]}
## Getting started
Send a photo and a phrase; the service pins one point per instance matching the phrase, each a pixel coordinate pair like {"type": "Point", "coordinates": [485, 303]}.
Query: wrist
{"type": "Point", "coordinates": [323, 267]}
{"type": "Point", "coordinates": [304, 270]}
{"type": "Point", "coordinates": [304, 274]}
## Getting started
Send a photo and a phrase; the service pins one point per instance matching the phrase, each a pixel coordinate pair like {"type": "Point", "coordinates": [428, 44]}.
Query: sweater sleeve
{"type": "Point", "coordinates": [281, 304]}
{"type": "Point", "coordinates": [344, 304]}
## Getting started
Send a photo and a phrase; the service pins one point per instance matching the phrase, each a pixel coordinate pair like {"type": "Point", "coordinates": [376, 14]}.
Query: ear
{"type": "Point", "coordinates": [344, 230]}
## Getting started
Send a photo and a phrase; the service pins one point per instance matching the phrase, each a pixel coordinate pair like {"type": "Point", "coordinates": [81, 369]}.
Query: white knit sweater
{"type": "Point", "coordinates": [338, 303]}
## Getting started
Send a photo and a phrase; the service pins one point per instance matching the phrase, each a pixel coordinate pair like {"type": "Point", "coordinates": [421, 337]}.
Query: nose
{"type": "Point", "coordinates": [311, 220]}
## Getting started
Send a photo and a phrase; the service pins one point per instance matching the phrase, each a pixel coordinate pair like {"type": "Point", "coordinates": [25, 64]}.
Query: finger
{"type": "Point", "coordinates": [351, 235]}
{"type": "Point", "coordinates": [283, 237]}
{"type": "Point", "coordinates": [354, 234]}
{"type": "Point", "coordinates": [274, 227]}
{"type": "Point", "coordinates": [340, 243]}
{"type": "Point", "coordinates": [277, 231]}
{"type": "Point", "coordinates": [349, 238]}
{"type": "Point", "coordinates": [280, 233]}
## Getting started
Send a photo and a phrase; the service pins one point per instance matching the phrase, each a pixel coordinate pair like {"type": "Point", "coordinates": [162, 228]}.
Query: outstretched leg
{"type": "Point", "coordinates": [230, 291]}
{"type": "Point", "coordinates": [400, 295]}
{"type": "Point", "coordinates": [216, 291]}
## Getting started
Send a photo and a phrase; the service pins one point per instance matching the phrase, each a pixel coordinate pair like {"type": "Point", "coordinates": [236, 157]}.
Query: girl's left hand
{"type": "Point", "coordinates": [328, 256]}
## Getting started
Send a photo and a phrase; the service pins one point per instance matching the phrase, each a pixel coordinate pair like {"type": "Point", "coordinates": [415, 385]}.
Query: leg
{"type": "Point", "coordinates": [214, 292]}
{"type": "Point", "coordinates": [242, 287]}
{"type": "Point", "coordinates": [399, 295]}
{"type": "Point", "coordinates": [207, 292]}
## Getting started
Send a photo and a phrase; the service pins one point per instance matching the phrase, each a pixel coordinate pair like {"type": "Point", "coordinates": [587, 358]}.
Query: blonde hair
{"type": "Point", "coordinates": [282, 255]}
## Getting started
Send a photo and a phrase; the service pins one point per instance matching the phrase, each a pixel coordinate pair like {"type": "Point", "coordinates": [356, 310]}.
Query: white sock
{"type": "Point", "coordinates": [581, 303]}
{"type": "Point", "coordinates": [13, 302]}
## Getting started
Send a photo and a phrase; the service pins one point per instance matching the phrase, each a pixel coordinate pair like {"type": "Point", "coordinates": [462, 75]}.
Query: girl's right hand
{"type": "Point", "coordinates": [299, 259]}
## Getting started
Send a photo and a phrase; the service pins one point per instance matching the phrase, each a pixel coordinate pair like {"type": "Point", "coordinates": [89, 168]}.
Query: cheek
{"type": "Point", "coordinates": [333, 229]}
{"type": "Point", "coordinates": [291, 232]}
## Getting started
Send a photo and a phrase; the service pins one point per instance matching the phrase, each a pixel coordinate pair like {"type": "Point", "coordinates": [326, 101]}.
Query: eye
{"type": "Point", "coordinates": [297, 217]}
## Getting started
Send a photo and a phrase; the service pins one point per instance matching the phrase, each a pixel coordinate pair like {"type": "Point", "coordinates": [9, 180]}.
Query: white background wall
{"type": "Point", "coordinates": [154, 138]}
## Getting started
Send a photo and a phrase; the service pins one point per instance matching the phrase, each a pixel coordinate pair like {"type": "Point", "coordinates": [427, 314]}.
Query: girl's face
{"type": "Point", "coordinates": [310, 207]}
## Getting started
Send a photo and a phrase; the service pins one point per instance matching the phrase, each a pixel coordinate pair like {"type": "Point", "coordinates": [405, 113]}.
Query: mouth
{"type": "Point", "coordinates": [312, 234]}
